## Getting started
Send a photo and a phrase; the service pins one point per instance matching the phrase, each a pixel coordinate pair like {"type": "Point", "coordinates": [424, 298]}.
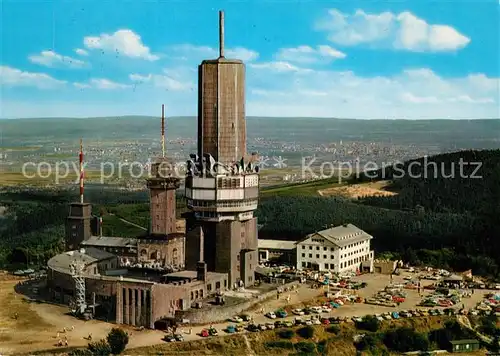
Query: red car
{"type": "Point", "coordinates": [204, 333]}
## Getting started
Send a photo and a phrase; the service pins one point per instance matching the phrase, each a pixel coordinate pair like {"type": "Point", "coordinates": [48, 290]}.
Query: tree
{"type": "Point", "coordinates": [369, 323]}
{"type": "Point", "coordinates": [117, 340]}
{"type": "Point", "coordinates": [306, 332]}
{"type": "Point", "coordinates": [100, 348]}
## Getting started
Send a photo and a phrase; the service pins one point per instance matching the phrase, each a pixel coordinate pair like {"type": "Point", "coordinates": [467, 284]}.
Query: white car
{"type": "Point", "coordinates": [271, 315]}
{"type": "Point", "coordinates": [316, 322]}
{"type": "Point", "coordinates": [308, 322]}
{"type": "Point", "coordinates": [236, 319]}
{"type": "Point", "coordinates": [298, 312]}
{"type": "Point", "coordinates": [326, 309]}
{"type": "Point", "coordinates": [316, 310]}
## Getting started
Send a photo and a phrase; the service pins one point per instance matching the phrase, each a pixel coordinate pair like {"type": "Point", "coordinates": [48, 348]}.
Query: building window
{"type": "Point", "coordinates": [332, 257]}
{"type": "Point", "coordinates": [209, 287]}
{"type": "Point", "coordinates": [310, 247]}
{"type": "Point", "coordinates": [332, 266]}
{"type": "Point", "coordinates": [303, 264]}
{"type": "Point", "coordinates": [326, 265]}
{"type": "Point", "coordinates": [317, 248]}
{"type": "Point", "coordinates": [225, 283]}
{"type": "Point", "coordinates": [303, 247]}
{"type": "Point", "coordinates": [332, 249]}
{"type": "Point", "coordinates": [325, 248]}
{"type": "Point", "coordinates": [310, 255]}
{"type": "Point", "coordinates": [217, 285]}
{"type": "Point", "coordinates": [317, 256]}
{"type": "Point", "coordinates": [303, 255]}
{"type": "Point", "coordinates": [324, 257]}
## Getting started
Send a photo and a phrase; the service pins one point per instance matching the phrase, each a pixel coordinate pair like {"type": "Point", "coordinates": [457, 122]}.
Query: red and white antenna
{"type": "Point", "coordinates": [163, 130]}
{"type": "Point", "coordinates": [81, 171]}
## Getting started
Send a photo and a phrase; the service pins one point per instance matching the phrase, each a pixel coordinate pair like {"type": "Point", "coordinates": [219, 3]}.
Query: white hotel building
{"type": "Point", "coordinates": [338, 249]}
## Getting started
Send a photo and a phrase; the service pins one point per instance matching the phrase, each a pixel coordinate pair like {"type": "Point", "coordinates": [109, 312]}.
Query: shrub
{"type": "Point", "coordinates": [305, 347]}
{"type": "Point", "coordinates": [286, 333]}
{"type": "Point", "coordinates": [405, 339]}
{"type": "Point", "coordinates": [367, 342]}
{"type": "Point", "coordinates": [369, 323]}
{"type": "Point", "coordinates": [306, 332]}
{"type": "Point", "coordinates": [322, 346]}
{"type": "Point", "coordinates": [100, 348]}
{"type": "Point", "coordinates": [334, 329]}
{"type": "Point", "coordinates": [280, 344]}
{"type": "Point", "coordinates": [117, 340]}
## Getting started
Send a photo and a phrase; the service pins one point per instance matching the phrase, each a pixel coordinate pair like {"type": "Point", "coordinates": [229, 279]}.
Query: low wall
{"type": "Point", "coordinates": [221, 313]}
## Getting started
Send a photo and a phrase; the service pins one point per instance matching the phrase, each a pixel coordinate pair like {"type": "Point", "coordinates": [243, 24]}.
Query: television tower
{"type": "Point", "coordinates": [222, 185]}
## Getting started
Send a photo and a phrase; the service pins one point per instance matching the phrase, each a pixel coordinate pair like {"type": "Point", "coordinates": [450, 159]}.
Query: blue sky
{"type": "Point", "coordinates": [354, 59]}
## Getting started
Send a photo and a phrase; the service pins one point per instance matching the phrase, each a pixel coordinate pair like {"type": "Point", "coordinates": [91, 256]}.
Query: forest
{"type": "Point", "coordinates": [444, 222]}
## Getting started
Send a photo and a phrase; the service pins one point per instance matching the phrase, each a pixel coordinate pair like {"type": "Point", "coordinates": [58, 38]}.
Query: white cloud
{"type": "Point", "coordinates": [307, 54]}
{"type": "Point", "coordinates": [413, 93]}
{"type": "Point", "coordinates": [178, 79]}
{"type": "Point", "coordinates": [102, 84]}
{"type": "Point", "coordinates": [402, 31]}
{"type": "Point", "coordinates": [124, 42]}
{"type": "Point", "coordinates": [198, 53]}
{"type": "Point", "coordinates": [53, 60]}
{"type": "Point", "coordinates": [15, 77]}
{"type": "Point", "coordinates": [81, 85]}
{"type": "Point", "coordinates": [246, 55]}
{"type": "Point", "coordinates": [81, 52]}
{"type": "Point", "coordinates": [279, 66]}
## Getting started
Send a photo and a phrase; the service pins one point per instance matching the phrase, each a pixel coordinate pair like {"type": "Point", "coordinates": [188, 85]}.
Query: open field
{"type": "Point", "coordinates": [17, 335]}
{"type": "Point", "coordinates": [355, 191]}
{"type": "Point", "coordinates": [13, 177]}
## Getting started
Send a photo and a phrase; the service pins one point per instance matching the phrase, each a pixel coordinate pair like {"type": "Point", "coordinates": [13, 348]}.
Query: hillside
{"type": "Point", "coordinates": [466, 181]}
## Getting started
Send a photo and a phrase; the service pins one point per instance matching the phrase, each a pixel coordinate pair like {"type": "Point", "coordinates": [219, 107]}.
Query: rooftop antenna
{"type": "Point", "coordinates": [81, 171]}
{"type": "Point", "coordinates": [163, 130]}
{"type": "Point", "coordinates": [221, 34]}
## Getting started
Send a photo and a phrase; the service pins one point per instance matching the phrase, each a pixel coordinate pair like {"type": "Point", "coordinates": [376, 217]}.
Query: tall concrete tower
{"type": "Point", "coordinates": [222, 187]}
{"type": "Point", "coordinates": [162, 186]}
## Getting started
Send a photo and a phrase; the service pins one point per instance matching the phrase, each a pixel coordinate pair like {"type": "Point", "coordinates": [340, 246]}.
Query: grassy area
{"type": "Point", "coordinates": [309, 188]}
{"type": "Point", "coordinates": [16, 177]}
{"type": "Point", "coordinates": [13, 304]}
{"type": "Point", "coordinates": [113, 226]}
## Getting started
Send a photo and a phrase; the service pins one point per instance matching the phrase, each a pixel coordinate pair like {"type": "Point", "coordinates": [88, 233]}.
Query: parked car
{"type": "Point", "coordinates": [246, 317]}
{"type": "Point", "coordinates": [179, 337]}
{"type": "Point", "coordinates": [236, 319]}
{"type": "Point", "coordinates": [281, 313]}
{"type": "Point", "coordinates": [298, 312]}
{"type": "Point", "coordinates": [252, 327]}
{"type": "Point", "coordinates": [213, 332]}
{"type": "Point", "coordinates": [271, 315]}
{"type": "Point", "coordinates": [169, 338]}
{"type": "Point", "coordinates": [269, 326]}
{"type": "Point", "coordinates": [231, 329]}
{"type": "Point", "coordinates": [204, 333]}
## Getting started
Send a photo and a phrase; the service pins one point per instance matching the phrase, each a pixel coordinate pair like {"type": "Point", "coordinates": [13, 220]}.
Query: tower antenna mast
{"type": "Point", "coordinates": [81, 171]}
{"type": "Point", "coordinates": [163, 130]}
{"type": "Point", "coordinates": [221, 34]}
